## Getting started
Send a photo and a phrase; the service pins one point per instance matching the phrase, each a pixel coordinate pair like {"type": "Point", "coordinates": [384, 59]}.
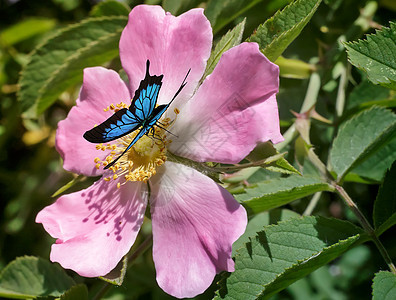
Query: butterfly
{"type": "Point", "coordinates": [141, 115]}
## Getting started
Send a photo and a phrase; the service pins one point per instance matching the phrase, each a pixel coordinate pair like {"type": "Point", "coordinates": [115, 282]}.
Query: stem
{"type": "Point", "coordinates": [315, 160]}
{"type": "Point", "coordinates": [362, 219]}
{"type": "Point", "coordinates": [131, 258]}
{"type": "Point", "coordinates": [340, 101]}
{"type": "Point", "coordinates": [140, 250]}
{"type": "Point", "coordinates": [237, 167]}
{"type": "Point", "coordinates": [309, 101]}
{"type": "Point", "coordinates": [366, 225]}
{"type": "Point", "coordinates": [312, 204]}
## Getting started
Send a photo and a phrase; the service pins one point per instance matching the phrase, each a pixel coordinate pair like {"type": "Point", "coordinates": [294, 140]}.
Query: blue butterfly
{"type": "Point", "coordinates": [142, 114]}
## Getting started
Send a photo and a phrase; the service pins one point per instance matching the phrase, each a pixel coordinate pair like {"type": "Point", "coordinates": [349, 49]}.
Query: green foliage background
{"type": "Point", "coordinates": [315, 71]}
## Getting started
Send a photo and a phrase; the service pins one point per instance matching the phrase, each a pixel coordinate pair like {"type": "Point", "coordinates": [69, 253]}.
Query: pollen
{"type": "Point", "coordinates": [141, 161]}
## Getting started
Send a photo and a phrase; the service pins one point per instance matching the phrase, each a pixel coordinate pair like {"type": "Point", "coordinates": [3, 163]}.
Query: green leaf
{"type": "Point", "coordinates": [376, 56]}
{"type": "Point", "coordinates": [230, 39]}
{"type": "Point", "coordinates": [375, 166]}
{"type": "Point", "coordinates": [57, 64]}
{"type": "Point", "coordinates": [280, 191]}
{"type": "Point", "coordinates": [116, 276]}
{"type": "Point", "coordinates": [366, 92]}
{"type": "Point", "coordinates": [266, 151]}
{"type": "Point", "coordinates": [221, 13]}
{"type": "Point", "coordinates": [25, 29]}
{"type": "Point", "coordinates": [67, 5]}
{"type": "Point", "coordinates": [79, 291]}
{"type": "Point", "coordinates": [384, 286]}
{"type": "Point", "coordinates": [257, 223]}
{"type": "Point", "coordinates": [32, 277]}
{"type": "Point", "coordinates": [176, 7]}
{"type": "Point", "coordinates": [360, 137]}
{"type": "Point", "coordinates": [384, 214]}
{"type": "Point", "coordinates": [276, 34]}
{"type": "Point", "coordinates": [110, 8]}
{"type": "Point", "coordinates": [281, 254]}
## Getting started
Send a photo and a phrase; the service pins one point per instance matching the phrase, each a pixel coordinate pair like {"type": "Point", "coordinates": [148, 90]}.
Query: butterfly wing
{"type": "Point", "coordinates": [141, 113]}
{"type": "Point", "coordinates": [157, 114]}
{"type": "Point", "coordinates": [145, 99]}
{"type": "Point", "coordinates": [119, 124]}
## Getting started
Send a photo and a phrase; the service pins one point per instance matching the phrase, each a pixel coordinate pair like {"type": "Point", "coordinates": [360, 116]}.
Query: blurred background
{"type": "Point", "coordinates": [31, 169]}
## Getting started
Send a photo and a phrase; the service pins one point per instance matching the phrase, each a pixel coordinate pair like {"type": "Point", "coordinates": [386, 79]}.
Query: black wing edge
{"type": "Point", "coordinates": [148, 80]}
{"type": "Point", "coordinates": [96, 134]}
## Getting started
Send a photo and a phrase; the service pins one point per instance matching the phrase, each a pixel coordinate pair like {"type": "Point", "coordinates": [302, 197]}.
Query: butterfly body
{"type": "Point", "coordinates": [141, 115]}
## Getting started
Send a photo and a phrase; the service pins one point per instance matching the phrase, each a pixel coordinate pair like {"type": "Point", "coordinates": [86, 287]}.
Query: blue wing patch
{"type": "Point", "coordinates": [141, 113]}
{"type": "Point", "coordinates": [119, 124]}
{"type": "Point", "coordinates": [145, 99]}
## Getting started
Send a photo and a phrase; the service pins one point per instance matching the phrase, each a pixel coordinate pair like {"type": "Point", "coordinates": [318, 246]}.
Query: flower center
{"type": "Point", "coordinates": [142, 160]}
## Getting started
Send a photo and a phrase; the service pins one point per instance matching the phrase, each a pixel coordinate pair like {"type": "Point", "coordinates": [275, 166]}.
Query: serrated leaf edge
{"type": "Point", "coordinates": [56, 35]}
{"type": "Point", "coordinates": [103, 4]}
{"type": "Point", "coordinates": [368, 37]}
{"type": "Point", "coordinates": [71, 290]}
{"type": "Point", "coordinates": [362, 235]}
{"type": "Point", "coordinates": [220, 53]}
{"type": "Point", "coordinates": [276, 38]}
{"type": "Point", "coordinates": [303, 261]}
{"type": "Point", "coordinates": [341, 176]}
{"type": "Point", "coordinates": [31, 258]}
{"type": "Point", "coordinates": [66, 63]}
{"type": "Point", "coordinates": [15, 260]}
{"type": "Point", "coordinates": [375, 275]}
{"type": "Point", "coordinates": [309, 16]}
{"type": "Point", "coordinates": [285, 190]}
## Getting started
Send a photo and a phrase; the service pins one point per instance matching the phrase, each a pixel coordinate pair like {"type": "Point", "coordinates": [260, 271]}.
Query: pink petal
{"type": "Point", "coordinates": [172, 44]}
{"type": "Point", "coordinates": [233, 110]}
{"type": "Point", "coordinates": [101, 87]}
{"type": "Point", "coordinates": [94, 227]}
{"type": "Point", "coordinates": [195, 222]}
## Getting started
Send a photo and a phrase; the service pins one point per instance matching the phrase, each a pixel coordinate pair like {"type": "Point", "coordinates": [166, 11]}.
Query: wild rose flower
{"type": "Point", "coordinates": [194, 220]}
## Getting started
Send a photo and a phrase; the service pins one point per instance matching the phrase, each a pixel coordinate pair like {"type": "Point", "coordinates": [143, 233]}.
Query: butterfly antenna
{"type": "Point", "coordinates": [181, 87]}
{"type": "Point", "coordinates": [114, 161]}
{"type": "Point", "coordinates": [166, 130]}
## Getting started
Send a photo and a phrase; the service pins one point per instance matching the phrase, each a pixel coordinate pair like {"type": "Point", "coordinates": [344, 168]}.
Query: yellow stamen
{"type": "Point", "coordinates": [141, 161]}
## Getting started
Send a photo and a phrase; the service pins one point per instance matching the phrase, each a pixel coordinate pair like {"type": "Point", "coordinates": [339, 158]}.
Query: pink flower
{"type": "Point", "coordinates": [194, 220]}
